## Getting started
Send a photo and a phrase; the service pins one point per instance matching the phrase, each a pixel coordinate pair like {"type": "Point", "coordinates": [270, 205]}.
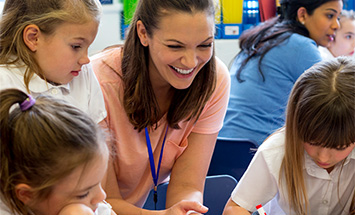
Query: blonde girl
{"type": "Point", "coordinates": [307, 167]}
{"type": "Point", "coordinates": [53, 157]}
{"type": "Point", "coordinates": [44, 49]}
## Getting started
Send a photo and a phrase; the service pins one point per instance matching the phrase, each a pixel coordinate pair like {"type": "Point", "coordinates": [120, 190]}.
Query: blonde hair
{"type": "Point", "coordinates": [47, 15]}
{"type": "Point", "coordinates": [42, 145]}
{"type": "Point", "coordinates": [346, 14]}
{"type": "Point", "coordinates": [320, 110]}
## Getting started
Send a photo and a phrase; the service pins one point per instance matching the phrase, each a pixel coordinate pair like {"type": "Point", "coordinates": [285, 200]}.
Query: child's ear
{"type": "Point", "coordinates": [142, 33]}
{"type": "Point", "coordinates": [24, 193]}
{"type": "Point", "coordinates": [30, 36]}
{"type": "Point", "coordinates": [302, 15]}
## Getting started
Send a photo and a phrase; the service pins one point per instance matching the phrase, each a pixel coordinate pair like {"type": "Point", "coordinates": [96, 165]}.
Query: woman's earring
{"type": "Point", "coordinates": [302, 22]}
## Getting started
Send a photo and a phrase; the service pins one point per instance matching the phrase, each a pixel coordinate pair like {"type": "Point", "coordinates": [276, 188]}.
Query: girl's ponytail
{"type": "Point", "coordinates": [8, 99]}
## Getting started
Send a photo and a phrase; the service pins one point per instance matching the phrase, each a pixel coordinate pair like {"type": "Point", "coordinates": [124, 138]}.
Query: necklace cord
{"type": "Point", "coordinates": [155, 175]}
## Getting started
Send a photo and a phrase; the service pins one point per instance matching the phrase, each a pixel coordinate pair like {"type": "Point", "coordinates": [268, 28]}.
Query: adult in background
{"type": "Point", "coordinates": [273, 55]}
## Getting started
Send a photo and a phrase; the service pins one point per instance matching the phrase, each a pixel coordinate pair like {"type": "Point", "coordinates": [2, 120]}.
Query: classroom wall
{"type": "Point", "coordinates": [110, 27]}
{"type": "Point", "coordinates": [109, 34]}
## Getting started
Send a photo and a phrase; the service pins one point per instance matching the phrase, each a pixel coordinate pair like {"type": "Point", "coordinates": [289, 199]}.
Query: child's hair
{"type": "Point", "coordinates": [139, 101]}
{"type": "Point", "coordinates": [346, 14]}
{"type": "Point", "coordinates": [320, 111]}
{"type": "Point", "coordinates": [43, 144]}
{"type": "Point", "coordinates": [47, 15]}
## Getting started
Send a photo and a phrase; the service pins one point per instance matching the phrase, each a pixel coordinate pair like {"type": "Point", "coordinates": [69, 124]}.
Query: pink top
{"type": "Point", "coordinates": [131, 165]}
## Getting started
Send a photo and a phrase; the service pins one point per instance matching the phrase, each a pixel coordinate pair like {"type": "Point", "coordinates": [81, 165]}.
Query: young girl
{"type": "Point", "coordinates": [344, 41]}
{"type": "Point", "coordinates": [44, 49]}
{"type": "Point", "coordinates": [308, 166]}
{"type": "Point", "coordinates": [166, 94]}
{"type": "Point", "coordinates": [273, 55]}
{"type": "Point", "coordinates": [53, 157]}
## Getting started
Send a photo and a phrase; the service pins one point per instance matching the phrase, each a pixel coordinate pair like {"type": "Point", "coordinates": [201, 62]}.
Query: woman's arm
{"type": "Point", "coordinates": [189, 172]}
{"type": "Point", "coordinates": [232, 208]}
{"type": "Point", "coordinates": [121, 206]}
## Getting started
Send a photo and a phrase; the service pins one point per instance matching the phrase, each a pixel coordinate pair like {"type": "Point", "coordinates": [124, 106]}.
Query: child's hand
{"type": "Point", "coordinates": [76, 209]}
{"type": "Point", "coordinates": [186, 207]}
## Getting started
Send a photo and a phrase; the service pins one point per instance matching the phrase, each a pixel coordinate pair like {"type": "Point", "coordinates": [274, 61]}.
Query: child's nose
{"type": "Point", "coordinates": [99, 196]}
{"type": "Point", "coordinates": [324, 155]}
{"type": "Point", "coordinates": [84, 59]}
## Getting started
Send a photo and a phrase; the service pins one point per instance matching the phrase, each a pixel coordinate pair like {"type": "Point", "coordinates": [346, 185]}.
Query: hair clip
{"type": "Point", "coordinates": [29, 102]}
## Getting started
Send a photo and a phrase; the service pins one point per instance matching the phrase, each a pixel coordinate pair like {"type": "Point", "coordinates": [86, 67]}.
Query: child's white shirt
{"type": "Point", "coordinates": [103, 209]}
{"type": "Point", "coordinates": [260, 183]}
{"type": "Point", "coordinates": [325, 53]}
{"type": "Point", "coordinates": [83, 91]}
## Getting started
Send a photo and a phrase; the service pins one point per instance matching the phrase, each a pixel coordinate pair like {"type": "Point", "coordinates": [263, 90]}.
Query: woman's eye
{"type": "Point", "coordinates": [174, 46]}
{"type": "Point", "coordinates": [330, 16]}
{"type": "Point", "coordinates": [349, 37]}
{"type": "Point", "coordinates": [206, 45]}
{"type": "Point", "coordinates": [76, 46]}
{"type": "Point", "coordinates": [83, 196]}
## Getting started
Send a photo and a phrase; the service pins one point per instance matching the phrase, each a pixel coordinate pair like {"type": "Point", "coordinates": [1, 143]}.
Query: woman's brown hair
{"type": "Point", "coordinates": [139, 100]}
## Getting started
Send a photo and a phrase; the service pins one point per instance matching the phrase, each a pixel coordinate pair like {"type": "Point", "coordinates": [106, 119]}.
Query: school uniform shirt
{"type": "Point", "coordinates": [130, 170]}
{"type": "Point", "coordinates": [83, 91]}
{"type": "Point", "coordinates": [260, 183]}
{"type": "Point", "coordinates": [325, 53]}
{"type": "Point", "coordinates": [4, 210]}
{"type": "Point", "coordinates": [102, 209]}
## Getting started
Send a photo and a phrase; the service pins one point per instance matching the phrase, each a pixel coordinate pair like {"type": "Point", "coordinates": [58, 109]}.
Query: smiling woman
{"type": "Point", "coordinates": [166, 93]}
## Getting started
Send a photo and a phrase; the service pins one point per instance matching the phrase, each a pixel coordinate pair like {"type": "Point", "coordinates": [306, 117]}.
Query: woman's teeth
{"type": "Point", "coordinates": [183, 71]}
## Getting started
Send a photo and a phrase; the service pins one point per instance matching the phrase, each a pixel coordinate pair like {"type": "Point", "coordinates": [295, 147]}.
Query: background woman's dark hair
{"type": "Point", "coordinates": [259, 40]}
{"type": "Point", "coordinates": [139, 100]}
{"type": "Point", "coordinates": [42, 145]}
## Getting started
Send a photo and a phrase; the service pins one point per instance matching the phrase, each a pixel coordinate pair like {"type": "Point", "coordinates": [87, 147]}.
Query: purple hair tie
{"type": "Point", "coordinates": [29, 102]}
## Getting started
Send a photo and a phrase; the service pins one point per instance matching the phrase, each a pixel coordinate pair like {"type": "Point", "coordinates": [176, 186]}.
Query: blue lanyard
{"type": "Point", "coordinates": [155, 176]}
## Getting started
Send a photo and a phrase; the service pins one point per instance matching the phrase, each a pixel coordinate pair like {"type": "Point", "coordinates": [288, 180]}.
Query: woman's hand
{"type": "Point", "coordinates": [186, 207]}
{"type": "Point", "coordinates": [76, 209]}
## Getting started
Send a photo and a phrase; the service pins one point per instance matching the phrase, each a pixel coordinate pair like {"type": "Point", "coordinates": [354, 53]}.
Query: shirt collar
{"type": "Point", "coordinates": [37, 84]}
{"type": "Point", "coordinates": [314, 170]}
